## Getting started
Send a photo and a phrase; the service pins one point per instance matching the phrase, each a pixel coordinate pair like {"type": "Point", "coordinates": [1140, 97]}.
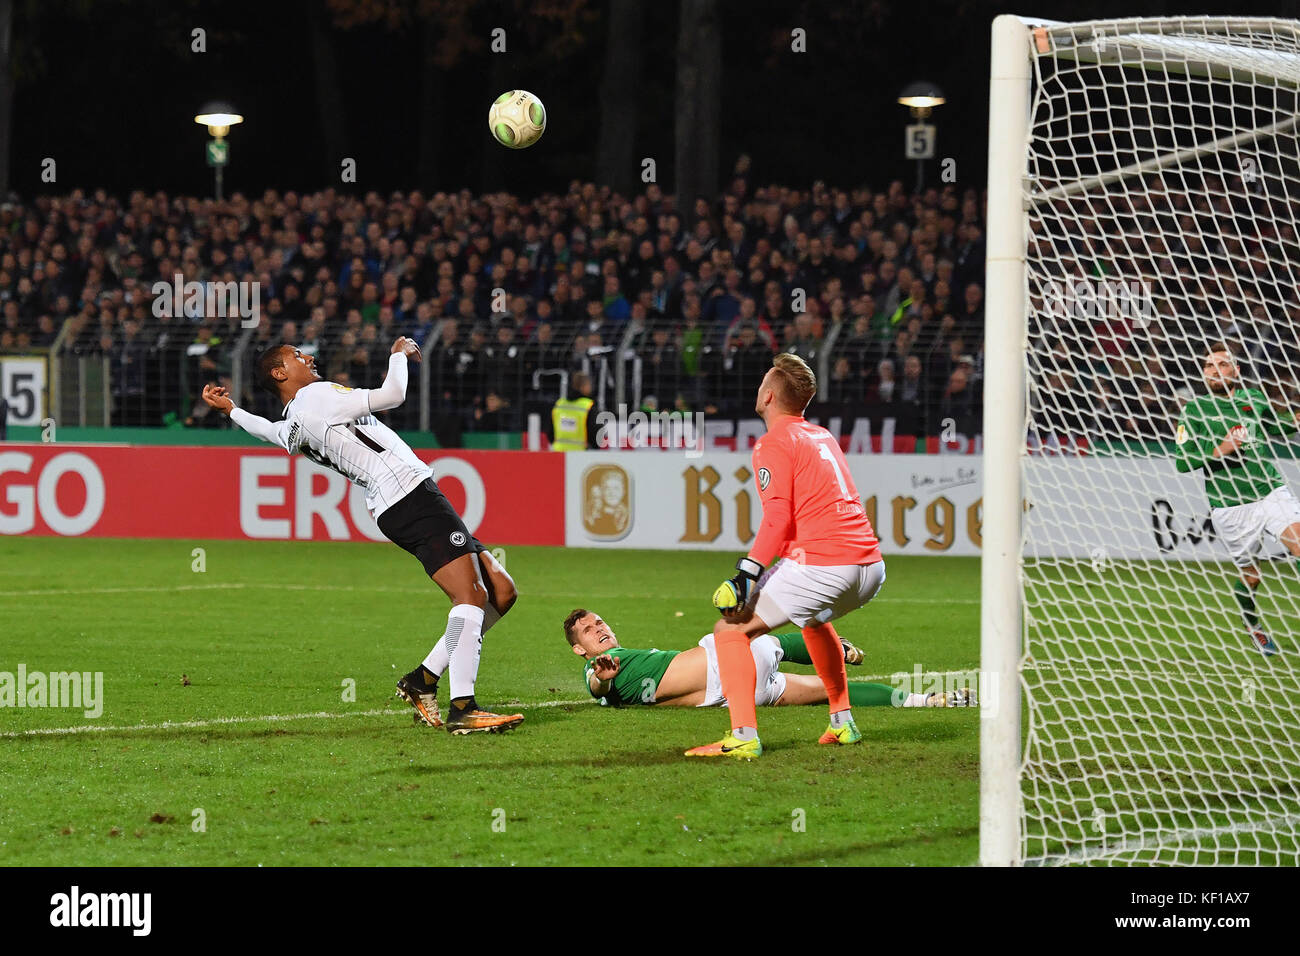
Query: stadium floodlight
{"type": "Point", "coordinates": [921, 98]}
{"type": "Point", "coordinates": [1158, 157]}
{"type": "Point", "coordinates": [218, 117]}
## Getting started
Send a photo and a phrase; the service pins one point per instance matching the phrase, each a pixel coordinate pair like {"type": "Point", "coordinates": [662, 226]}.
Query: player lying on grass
{"type": "Point", "coordinates": [622, 675]}
{"type": "Point", "coordinates": [811, 510]}
{"type": "Point", "coordinates": [1224, 435]}
{"type": "Point", "coordinates": [336, 427]}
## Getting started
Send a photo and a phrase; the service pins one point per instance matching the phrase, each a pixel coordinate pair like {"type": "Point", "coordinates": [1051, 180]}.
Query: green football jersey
{"type": "Point", "coordinates": [1249, 473]}
{"type": "Point", "coordinates": [638, 675]}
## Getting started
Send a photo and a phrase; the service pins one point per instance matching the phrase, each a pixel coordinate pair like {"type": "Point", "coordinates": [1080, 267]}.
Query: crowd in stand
{"type": "Point", "coordinates": [882, 291]}
{"type": "Point", "coordinates": [1127, 294]}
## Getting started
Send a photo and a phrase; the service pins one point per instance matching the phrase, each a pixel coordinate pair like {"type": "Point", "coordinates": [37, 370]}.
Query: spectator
{"type": "Point", "coordinates": [541, 355]}
{"type": "Point", "coordinates": [503, 369]}
{"type": "Point", "coordinates": [46, 332]}
{"type": "Point", "coordinates": [960, 403]}
{"type": "Point", "coordinates": [912, 400]}
{"type": "Point", "coordinates": [805, 344]}
{"type": "Point", "coordinates": [572, 427]}
{"type": "Point", "coordinates": [968, 266]}
{"type": "Point", "coordinates": [861, 346]}
{"type": "Point", "coordinates": [943, 362]}
{"type": "Point", "coordinates": [493, 415]}
{"type": "Point", "coordinates": [882, 391]}
{"type": "Point", "coordinates": [845, 387]}
{"type": "Point", "coordinates": [748, 316]}
{"type": "Point", "coordinates": [614, 307]}
{"type": "Point", "coordinates": [692, 337]}
{"type": "Point", "coordinates": [724, 301]}
{"type": "Point", "coordinates": [970, 317]}
{"type": "Point", "coordinates": [747, 361]}
{"type": "Point", "coordinates": [661, 363]}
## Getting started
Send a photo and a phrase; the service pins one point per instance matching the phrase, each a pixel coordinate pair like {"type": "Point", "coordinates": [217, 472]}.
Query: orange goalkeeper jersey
{"type": "Point", "coordinates": [810, 505]}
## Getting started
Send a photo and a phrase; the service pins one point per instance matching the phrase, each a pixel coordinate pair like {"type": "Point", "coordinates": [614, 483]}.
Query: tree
{"type": "Point", "coordinates": [620, 97]}
{"type": "Point", "coordinates": [6, 91]}
{"type": "Point", "coordinates": [699, 101]}
{"type": "Point", "coordinates": [329, 92]}
{"type": "Point", "coordinates": [443, 36]}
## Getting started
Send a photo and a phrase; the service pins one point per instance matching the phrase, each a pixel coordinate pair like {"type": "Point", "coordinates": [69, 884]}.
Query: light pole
{"type": "Point", "coordinates": [218, 117]}
{"type": "Point", "coordinates": [921, 97]}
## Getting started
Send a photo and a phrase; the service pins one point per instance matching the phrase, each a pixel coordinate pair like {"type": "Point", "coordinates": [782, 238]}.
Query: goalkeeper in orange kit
{"type": "Point", "coordinates": [811, 512]}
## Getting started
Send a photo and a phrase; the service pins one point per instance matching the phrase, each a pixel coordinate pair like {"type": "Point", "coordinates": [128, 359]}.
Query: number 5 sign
{"type": "Point", "coordinates": [22, 386]}
{"type": "Point", "coordinates": [919, 143]}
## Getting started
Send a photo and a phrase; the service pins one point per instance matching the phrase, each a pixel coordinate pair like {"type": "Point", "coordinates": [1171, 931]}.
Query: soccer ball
{"type": "Point", "coordinates": [517, 119]}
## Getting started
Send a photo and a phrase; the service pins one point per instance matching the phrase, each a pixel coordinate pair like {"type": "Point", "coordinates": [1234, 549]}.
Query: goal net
{"type": "Point", "coordinates": [1160, 206]}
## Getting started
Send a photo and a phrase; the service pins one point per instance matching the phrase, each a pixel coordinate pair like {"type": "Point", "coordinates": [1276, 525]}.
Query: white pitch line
{"type": "Point", "coordinates": [332, 715]}
{"type": "Point", "coordinates": [49, 592]}
{"type": "Point", "coordinates": [223, 721]}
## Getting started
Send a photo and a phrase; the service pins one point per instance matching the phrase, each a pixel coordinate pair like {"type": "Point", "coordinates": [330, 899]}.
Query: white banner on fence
{"type": "Point", "coordinates": [1124, 508]}
{"type": "Point", "coordinates": [919, 504]}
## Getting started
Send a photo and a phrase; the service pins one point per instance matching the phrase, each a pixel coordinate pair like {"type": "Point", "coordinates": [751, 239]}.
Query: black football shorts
{"type": "Point", "coordinates": [425, 524]}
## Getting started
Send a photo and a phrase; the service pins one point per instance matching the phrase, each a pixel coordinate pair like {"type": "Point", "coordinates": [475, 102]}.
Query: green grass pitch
{"type": "Point", "coordinates": [278, 630]}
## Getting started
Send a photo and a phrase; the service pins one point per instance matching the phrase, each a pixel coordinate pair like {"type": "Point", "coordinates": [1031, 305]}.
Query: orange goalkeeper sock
{"type": "Point", "coordinates": [828, 657]}
{"type": "Point", "coordinates": [739, 676]}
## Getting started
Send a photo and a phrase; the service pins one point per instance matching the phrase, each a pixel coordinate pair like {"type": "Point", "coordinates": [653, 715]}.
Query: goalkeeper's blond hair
{"type": "Point", "coordinates": [794, 381]}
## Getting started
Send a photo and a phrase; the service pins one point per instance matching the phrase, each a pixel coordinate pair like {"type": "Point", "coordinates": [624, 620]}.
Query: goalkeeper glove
{"type": "Point", "coordinates": [734, 594]}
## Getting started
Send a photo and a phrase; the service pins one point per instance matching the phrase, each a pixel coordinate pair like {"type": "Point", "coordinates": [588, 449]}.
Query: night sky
{"type": "Point", "coordinates": [109, 89]}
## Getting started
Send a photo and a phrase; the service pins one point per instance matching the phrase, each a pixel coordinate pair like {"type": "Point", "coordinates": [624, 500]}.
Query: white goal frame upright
{"type": "Point", "coordinates": [1006, 406]}
{"type": "Point", "coordinates": [1005, 338]}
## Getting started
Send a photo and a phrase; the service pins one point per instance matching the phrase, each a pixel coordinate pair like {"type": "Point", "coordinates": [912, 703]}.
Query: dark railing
{"type": "Point", "coordinates": [490, 383]}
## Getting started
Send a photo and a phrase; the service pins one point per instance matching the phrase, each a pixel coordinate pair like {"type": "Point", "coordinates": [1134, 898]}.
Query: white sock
{"type": "Point", "coordinates": [436, 662]}
{"type": "Point", "coordinates": [464, 643]}
{"type": "Point", "coordinates": [439, 657]}
{"type": "Point", "coordinates": [914, 700]}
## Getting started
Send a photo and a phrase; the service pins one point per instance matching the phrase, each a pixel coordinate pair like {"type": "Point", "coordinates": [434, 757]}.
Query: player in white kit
{"type": "Point", "coordinates": [335, 426]}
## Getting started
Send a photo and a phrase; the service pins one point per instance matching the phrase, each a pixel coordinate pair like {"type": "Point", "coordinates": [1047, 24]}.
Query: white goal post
{"type": "Point", "coordinates": [1143, 202]}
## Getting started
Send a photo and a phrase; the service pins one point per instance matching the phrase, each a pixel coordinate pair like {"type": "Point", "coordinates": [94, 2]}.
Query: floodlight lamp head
{"type": "Point", "coordinates": [218, 117]}
{"type": "Point", "coordinates": [921, 97]}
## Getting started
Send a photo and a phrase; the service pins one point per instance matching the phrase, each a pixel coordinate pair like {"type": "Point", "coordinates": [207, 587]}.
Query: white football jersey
{"type": "Point", "coordinates": [333, 426]}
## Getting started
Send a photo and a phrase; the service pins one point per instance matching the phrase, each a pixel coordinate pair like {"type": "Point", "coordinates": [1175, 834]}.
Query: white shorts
{"type": "Point", "coordinates": [804, 594]}
{"type": "Point", "coordinates": [1241, 527]}
{"type": "Point", "coordinates": [767, 657]}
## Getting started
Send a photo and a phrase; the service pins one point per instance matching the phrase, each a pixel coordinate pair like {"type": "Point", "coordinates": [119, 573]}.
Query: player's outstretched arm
{"type": "Point", "coordinates": [393, 392]}
{"type": "Point", "coordinates": [601, 676]}
{"type": "Point", "coordinates": [218, 397]}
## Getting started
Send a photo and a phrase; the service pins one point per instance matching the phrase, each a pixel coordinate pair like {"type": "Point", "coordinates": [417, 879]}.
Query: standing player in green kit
{"type": "Point", "coordinates": [1225, 436]}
